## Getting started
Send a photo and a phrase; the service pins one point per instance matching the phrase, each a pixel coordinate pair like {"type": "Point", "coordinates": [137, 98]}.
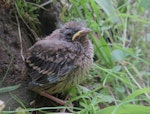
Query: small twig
{"type": "Point", "coordinates": [110, 90]}
{"type": "Point", "coordinates": [131, 76]}
{"type": "Point", "coordinates": [38, 6]}
{"type": "Point", "coordinates": [33, 33]}
{"type": "Point", "coordinates": [20, 38]}
{"type": "Point", "coordinates": [46, 3]}
{"type": "Point", "coordinates": [125, 26]}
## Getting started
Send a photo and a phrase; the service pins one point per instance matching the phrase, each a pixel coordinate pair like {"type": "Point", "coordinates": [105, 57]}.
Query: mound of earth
{"type": "Point", "coordinates": [14, 41]}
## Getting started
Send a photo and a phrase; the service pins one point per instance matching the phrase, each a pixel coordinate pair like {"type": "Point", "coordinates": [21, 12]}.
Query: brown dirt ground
{"type": "Point", "coordinates": [12, 67]}
{"type": "Point", "coordinates": [10, 56]}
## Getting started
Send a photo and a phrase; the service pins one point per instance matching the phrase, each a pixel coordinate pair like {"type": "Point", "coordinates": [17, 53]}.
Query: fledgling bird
{"type": "Point", "coordinates": [60, 60]}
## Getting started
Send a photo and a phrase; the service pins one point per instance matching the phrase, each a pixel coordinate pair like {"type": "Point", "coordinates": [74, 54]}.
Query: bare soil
{"type": "Point", "coordinates": [12, 66]}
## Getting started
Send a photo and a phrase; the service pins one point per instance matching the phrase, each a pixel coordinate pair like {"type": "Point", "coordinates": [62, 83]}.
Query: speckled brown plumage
{"type": "Point", "coordinates": [60, 60]}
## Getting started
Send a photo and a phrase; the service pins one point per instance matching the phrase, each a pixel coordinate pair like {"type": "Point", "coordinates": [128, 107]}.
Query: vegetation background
{"type": "Point", "coordinates": [119, 80]}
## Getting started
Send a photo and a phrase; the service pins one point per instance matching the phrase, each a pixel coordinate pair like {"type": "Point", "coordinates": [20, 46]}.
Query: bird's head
{"type": "Point", "coordinates": [74, 31]}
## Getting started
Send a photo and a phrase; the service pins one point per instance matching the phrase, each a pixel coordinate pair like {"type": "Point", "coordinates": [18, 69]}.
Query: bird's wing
{"type": "Point", "coordinates": [50, 60]}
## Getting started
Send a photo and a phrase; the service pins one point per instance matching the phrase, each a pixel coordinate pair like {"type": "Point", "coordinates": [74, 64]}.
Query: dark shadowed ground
{"type": "Point", "coordinates": [11, 62]}
{"type": "Point", "coordinates": [12, 67]}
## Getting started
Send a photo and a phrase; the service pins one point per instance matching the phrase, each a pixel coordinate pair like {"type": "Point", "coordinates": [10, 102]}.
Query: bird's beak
{"type": "Point", "coordinates": [81, 33]}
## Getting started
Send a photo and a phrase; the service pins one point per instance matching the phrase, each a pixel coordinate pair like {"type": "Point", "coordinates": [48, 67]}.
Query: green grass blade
{"type": "Point", "coordinates": [136, 93]}
{"type": "Point", "coordinates": [9, 88]}
{"type": "Point", "coordinates": [109, 9]}
{"type": "Point", "coordinates": [126, 109]}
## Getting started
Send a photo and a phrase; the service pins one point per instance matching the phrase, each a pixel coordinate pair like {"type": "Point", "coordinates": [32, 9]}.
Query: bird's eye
{"type": "Point", "coordinates": [69, 34]}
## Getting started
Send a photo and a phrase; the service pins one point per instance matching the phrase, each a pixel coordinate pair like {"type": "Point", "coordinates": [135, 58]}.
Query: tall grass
{"type": "Point", "coordinates": [120, 78]}
{"type": "Point", "coordinates": [121, 41]}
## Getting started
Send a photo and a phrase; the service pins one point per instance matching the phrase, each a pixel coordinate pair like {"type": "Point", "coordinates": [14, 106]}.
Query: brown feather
{"type": "Point", "coordinates": [56, 63]}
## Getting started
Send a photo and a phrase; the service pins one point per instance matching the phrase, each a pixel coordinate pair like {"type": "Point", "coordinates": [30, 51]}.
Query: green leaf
{"type": "Point", "coordinates": [102, 50]}
{"type": "Point", "coordinates": [126, 109]}
{"type": "Point", "coordinates": [120, 89]}
{"type": "Point", "coordinates": [118, 55]}
{"type": "Point", "coordinates": [136, 93]}
{"type": "Point", "coordinates": [109, 9]}
{"type": "Point", "coordinates": [121, 53]}
{"type": "Point", "coordinates": [144, 4]}
{"type": "Point", "coordinates": [9, 88]}
{"type": "Point", "coordinates": [117, 68]}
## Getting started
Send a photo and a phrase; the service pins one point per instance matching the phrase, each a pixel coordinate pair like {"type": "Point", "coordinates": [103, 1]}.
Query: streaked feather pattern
{"type": "Point", "coordinates": [56, 63]}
